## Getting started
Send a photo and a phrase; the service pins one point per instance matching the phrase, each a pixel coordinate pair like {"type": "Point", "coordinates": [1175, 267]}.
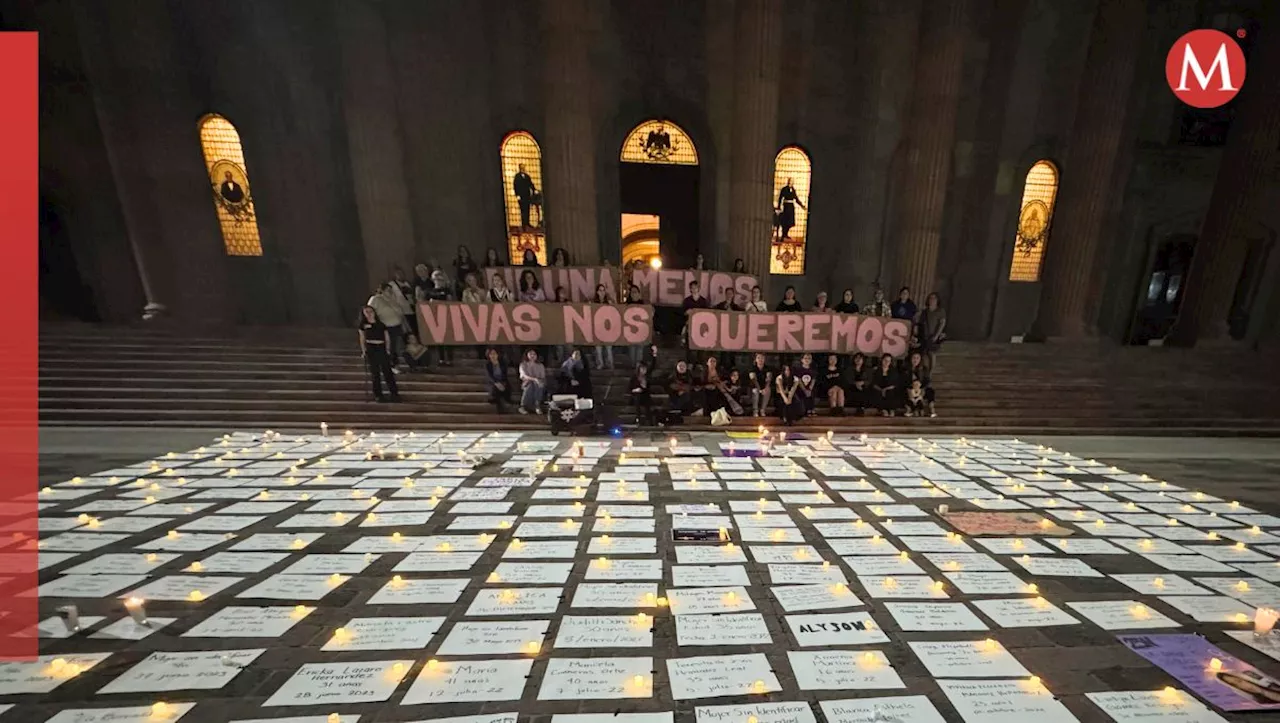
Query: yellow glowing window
{"type": "Point", "coordinates": [229, 181]}
{"type": "Point", "coordinates": [659, 141]}
{"type": "Point", "coordinates": [522, 189]}
{"type": "Point", "coordinates": [792, 174]}
{"type": "Point", "coordinates": [1034, 218]}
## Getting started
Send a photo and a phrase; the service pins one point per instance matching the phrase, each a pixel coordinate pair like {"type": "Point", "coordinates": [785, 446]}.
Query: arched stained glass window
{"type": "Point", "coordinates": [659, 141]}
{"type": "Point", "coordinates": [792, 174]}
{"type": "Point", "coordinates": [229, 180]}
{"type": "Point", "coordinates": [522, 196]}
{"type": "Point", "coordinates": [1035, 215]}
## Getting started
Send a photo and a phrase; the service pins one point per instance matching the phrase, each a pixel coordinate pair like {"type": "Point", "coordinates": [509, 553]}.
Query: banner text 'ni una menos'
{"type": "Point", "coordinates": [782, 332]}
{"type": "Point", "coordinates": [659, 287]}
{"type": "Point", "coordinates": [445, 323]}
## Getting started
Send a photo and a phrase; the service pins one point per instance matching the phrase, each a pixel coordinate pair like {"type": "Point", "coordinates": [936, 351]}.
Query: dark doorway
{"type": "Point", "coordinates": [1158, 307]}
{"type": "Point", "coordinates": [63, 293]}
{"type": "Point", "coordinates": [1255, 262]}
{"type": "Point", "coordinates": [669, 192]}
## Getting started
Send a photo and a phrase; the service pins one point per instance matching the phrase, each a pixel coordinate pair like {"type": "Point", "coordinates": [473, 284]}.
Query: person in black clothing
{"type": "Point", "coordinates": [846, 305]}
{"type": "Point", "coordinates": [495, 377]}
{"type": "Point", "coordinates": [916, 370]}
{"type": "Point", "coordinates": [695, 300]}
{"type": "Point", "coordinates": [559, 257]}
{"type": "Point", "coordinates": [641, 395]}
{"type": "Point", "coordinates": [231, 191]}
{"type": "Point", "coordinates": [699, 263]}
{"type": "Point", "coordinates": [727, 358]}
{"type": "Point", "coordinates": [462, 265]}
{"type": "Point", "coordinates": [680, 389]}
{"type": "Point", "coordinates": [886, 387]}
{"type": "Point", "coordinates": [491, 259]}
{"type": "Point", "coordinates": [732, 391]}
{"type": "Point", "coordinates": [739, 266]}
{"type": "Point", "coordinates": [575, 377]}
{"type": "Point", "coordinates": [904, 307]}
{"type": "Point", "coordinates": [788, 199]}
{"type": "Point", "coordinates": [441, 292]}
{"type": "Point", "coordinates": [859, 385]}
{"type": "Point", "coordinates": [789, 301]}
{"type": "Point", "coordinates": [523, 187]}
{"type": "Point", "coordinates": [832, 386]}
{"type": "Point", "coordinates": [530, 258]}
{"type": "Point", "coordinates": [374, 343]}
{"type": "Point", "coordinates": [808, 377]}
{"type": "Point", "coordinates": [760, 386]}
{"type": "Point", "coordinates": [790, 405]}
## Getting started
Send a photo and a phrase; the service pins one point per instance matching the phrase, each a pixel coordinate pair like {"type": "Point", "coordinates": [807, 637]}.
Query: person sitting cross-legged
{"type": "Point", "coordinates": [533, 383]}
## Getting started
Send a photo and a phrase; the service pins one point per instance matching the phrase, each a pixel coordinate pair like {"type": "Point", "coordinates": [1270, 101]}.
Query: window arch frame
{"type": "Point", "coordinates": [233, 204]}
{"type": "Point", "coordinates": [1038, 205]}
{"type": "Point", "coordinates": [635, 145]}
{"type": "Point", "coordinates": [513, 231]}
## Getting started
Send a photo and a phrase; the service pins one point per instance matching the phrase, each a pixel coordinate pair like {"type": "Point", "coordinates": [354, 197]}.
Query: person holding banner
{"type": "Point", "coordinates": [495, 377]}
{"type": "Point", "coordinates": [533, 383]}
{"type": "Point", "coordinates": [695, 300]}
{"type": "Point", "coordinates": [886, 387]}
{"type": "Point", "coordinates": [760, 383]}
{"type": "Point", "coordinates": [847, 305]}
{"type": "Point", "coordinates": [790, 405]}
{"type": "Point", "coordinates": [441, 292]}
{"type": "Point", "coordinates": [634, 296]}
{"type": "Point", "coordinates": [727, 360]}
{"type": "Point", "coordinates": [375, 343]}
{"type": "Point", "coordinates": [604, 354]}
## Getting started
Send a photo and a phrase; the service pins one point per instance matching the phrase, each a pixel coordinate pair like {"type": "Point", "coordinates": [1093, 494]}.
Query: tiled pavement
{"type": "Point", "coordinates": [1070, 660]}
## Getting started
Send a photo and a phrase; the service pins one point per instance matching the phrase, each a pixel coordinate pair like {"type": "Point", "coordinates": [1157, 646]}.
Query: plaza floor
{"type": "Point", "coordinates": [489, 577]}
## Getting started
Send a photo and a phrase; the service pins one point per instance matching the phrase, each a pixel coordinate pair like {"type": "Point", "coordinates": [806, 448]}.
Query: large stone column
{"type": "Point", "coordinates": [374, 139]}
{"type": "Point", "coordinates": [754, 139]}
{"type": "Point", "coordinates": [568, 151]}
{"type": "Point", "coordinates": [1247, 162]}
{"type": "Point", "coordinates": [1088, 169]}
{"type": "Point", "coordinates": [929, 139]}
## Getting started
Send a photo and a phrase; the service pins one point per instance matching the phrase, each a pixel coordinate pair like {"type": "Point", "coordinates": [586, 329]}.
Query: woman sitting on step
{"type": "Point", "coordinates": [886, 387]}
{"type": "Point", "coordinates": [641, 395]}
{"type": "Point", "coordinates": [496, 382]}
{"type": "Point", "coordinates": [575, 378]}
{"type": "Point", "coordinates": [917, 370]}
{"type": "Point", "coordinates": [533, 383]}
{"type": "Point", "coordinates": [790, 405]}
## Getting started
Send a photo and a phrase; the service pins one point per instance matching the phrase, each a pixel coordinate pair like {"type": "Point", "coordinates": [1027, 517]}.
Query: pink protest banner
{"type": "Point", "coordinates": [579, 282]}
{"type": "Point", "coordinates": [451, 323]}
{"type": "Point", "coordinates": [781, 332]}
{"type": "Point", "coordinates": [668, 287]}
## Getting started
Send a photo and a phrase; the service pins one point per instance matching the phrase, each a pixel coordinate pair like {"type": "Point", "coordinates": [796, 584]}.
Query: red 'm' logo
{"type": "Point", "coordinates": [1205, 68]}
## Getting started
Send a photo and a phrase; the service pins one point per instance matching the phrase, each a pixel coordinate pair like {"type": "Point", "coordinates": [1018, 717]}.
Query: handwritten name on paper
{"type": "Point", "coordinates": [597, 678]}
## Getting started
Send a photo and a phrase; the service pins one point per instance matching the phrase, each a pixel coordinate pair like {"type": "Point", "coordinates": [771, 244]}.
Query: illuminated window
{"type": "Point", "coordinates": [792, 173]}
{"type": "Point", "coordinates": [1034, 217]}
{"type": "Point", "coordinates": [224, 160]}
{"type": "Point", "coordinates": [659, 141]}
{"type": "Point", "coordinates": [522, 189]}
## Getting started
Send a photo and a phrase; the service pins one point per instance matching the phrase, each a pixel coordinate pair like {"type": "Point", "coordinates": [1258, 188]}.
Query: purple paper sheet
{"type": "Point", "coordinates": [1235, 686]}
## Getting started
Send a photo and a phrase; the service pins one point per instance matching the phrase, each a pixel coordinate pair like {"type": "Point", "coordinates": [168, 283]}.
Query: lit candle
{"type": "Point", "coordinates": [1264, 619]}
{"type": "Point", "coordinates": [137, 610]}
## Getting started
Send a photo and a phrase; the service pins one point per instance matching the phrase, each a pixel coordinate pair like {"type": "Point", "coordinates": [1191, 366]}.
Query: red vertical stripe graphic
{"type": "Point", "coordinates": [18, 345]}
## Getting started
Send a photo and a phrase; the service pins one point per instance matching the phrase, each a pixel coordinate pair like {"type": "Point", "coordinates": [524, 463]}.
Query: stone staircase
{"type": "Point", "coordinates": [295, 379]}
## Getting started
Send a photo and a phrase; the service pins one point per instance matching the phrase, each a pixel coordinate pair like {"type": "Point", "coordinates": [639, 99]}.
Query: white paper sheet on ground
{"type": "Point", "coordinates": [988, 583]}
{"type": "Point", "coordinates": [272, 541]}
{"type": "Point", "coordinates": [709, 576]}
{"type": "Point", "coordinates": [604, 568]}
{"type": "Point", "coordinates": [334, 683]}
{"type": "Point", "coordinates": [1143, 706]}
{"type": "Point", "coordinates": [541, 550]}
{"type": "Point", "coordinates": [905, 587]}
{"type": "Point", "coordinates": [967, 659]}
{"type": "Point", "coordinates": [239, 562]}
{"type": "Point", "coordinates": [1024, 612]}
{"type": "Point", "coordinates": [1041, 566]}
{"type": "Point", "coordinates": [605, 631]}
{"type": "Point", "coordinates": [87, 586]}
{"type": "Point", "coordinates": [548, 529]}
{"type": "Point", "coordinates": [799, 598]}
{"type": "Point", "coordinates": [856, 528]}
{"type": "Point", "coordinates": [715, 676]}
{"type": "Point", "coordinates": [416, 591]}
{"type": "Point", "coordinates": [1004, 701]}
{"type": "Point", "coordinates": [799, 712]}
{"type": "Point", "coordinates": [516, 601]}
{"type": "Point", "coordinates": [495, 638]}
{"type": "Point", "coordinates": [329, 563]}
{"type": "Point", "coordinates": [835, 629]}
{"type": "Point", "coordinates": [895, 709]}
{"type": "Point", "coordinates": [625, 510]}
{"type": "Point", "coordinates": [480, 508]}
{"type": "Point", "coordinates": [199, 670]}
{"type": "Point", "coordinates": [1160, 584]}
{"type": "Point", "coordinates": [437, 562]}
{"type": "Point", "coordinates": [843, 670]}
{"type": "Point", "coordinates": [387, 633]}
{"type": "Point", "coordinates": [136, 714]}
{"type": "Point", "coordinates": [1188, 563]}
{"type": "Point", "coordinates": [127, 629]}
{"type": "Point", "coordinates": [612, 545]}
{"type": "Point", "coordinates": [760, 519]}
{"type": "Point", "coordinates": [935, 544]}
{"type": "Point", "coordinates": [783, 553]}
{"type": "Point", "coordinates": [627, 595]}
{"type": "Point", "coordinates": [700, 600]}
{"type": "Point", "coordinates": [880, 565]}
{"type": "Point", "coordinates": [597, 679]}
{"type": "Point", "coordinates": [192, 588]}
{"type": "Point", "coordinates": [55, 628]}
{"type": "Point", "coordinates": [1086, 546]}
{"type": "Point", "coordinates": [739, 629]}
{"type": "Point", "coordinates": [860, 546]}
{"type": "Point", "coordinates": [1269, 645]}
{"type": "Point", "coordinates": [236, 621]}
{"type": "Point", "coordinates": [1122, 615]}
{"type": "Point", "coordinates": [530, 573]}
{"type": "Point", "coordinates": [1014, 546]}
{"type": "Point", "coordinates": [294, 587]}
{"type": "Point", "coordinates": [42, 675]}
{"type": "Point", "coordinates": [771, 534]}
{"type": "Point", "coordinates": [788, 574]}
{"type": "Point", "coordinates": [912, 617]}
{"type": "Point", "coordinates": [710, 555]}
{"type": "Point", "coordinates": [1210, 608]}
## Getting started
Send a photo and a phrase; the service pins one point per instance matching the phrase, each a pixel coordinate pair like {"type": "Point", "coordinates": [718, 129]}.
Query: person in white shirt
{"type": "Point", "coordinates": [389, 304]}
{"type": "Point", "coordinates": [757, 302]}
